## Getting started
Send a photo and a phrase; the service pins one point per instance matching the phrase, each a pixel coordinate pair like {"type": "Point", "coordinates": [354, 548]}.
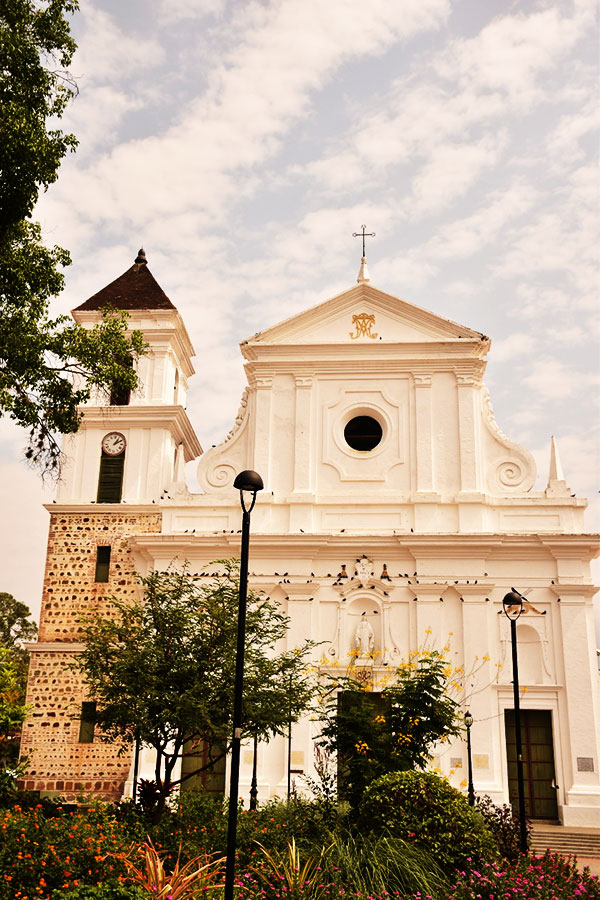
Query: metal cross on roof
{"type": "Point", "coordinates": [363, 233]}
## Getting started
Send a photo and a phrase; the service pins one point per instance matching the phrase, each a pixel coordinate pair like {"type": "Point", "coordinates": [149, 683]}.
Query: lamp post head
{"type": "Point", "coordinates": [512, 604]}
{"type": "Point", "coordinates": [248, 481]}
{"type": "Point", "coordinates": [468, 719]}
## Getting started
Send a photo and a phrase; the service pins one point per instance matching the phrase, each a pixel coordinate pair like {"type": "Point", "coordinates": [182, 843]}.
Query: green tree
{"type": "Point", "coordinates": [375, 733]}
{"type": "Point", "coordinates": [162, 669]}
{"type": "Point", "coordinates": [16, 626]}
{"type": "Point", "coordinates": [47, 367]}
{"type": "Point", "coordinates": [12, 708]}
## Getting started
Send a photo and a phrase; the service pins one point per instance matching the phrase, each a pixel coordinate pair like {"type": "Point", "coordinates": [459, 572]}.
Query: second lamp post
{"type": "Point", "coordinates": [251, 483]}
{"type": "Point", "coordinates": [471, 788]}
{"type": "Point", "coordinates": [513, 608]}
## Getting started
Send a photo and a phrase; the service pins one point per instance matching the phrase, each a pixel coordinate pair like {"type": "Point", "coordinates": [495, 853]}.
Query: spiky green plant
{"type": "Point", "coordinates": [184, 883]}
{"type": "Point", "coordinates": [299, 879]}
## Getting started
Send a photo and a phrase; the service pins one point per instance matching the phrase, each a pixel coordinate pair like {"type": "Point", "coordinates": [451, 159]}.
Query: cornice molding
{"type": "Point", "coordinates": [96, 509]}
{"type": "Point", "coordinates": [54, 647]}
{"type": "Point", "coordinates": [173, 417]}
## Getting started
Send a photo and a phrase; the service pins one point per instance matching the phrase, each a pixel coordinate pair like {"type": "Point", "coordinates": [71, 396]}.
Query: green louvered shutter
{"type": "Point", "coordinates": [110, 482]}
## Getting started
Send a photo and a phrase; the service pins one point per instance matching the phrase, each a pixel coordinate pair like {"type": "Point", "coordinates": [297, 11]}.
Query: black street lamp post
{"type": "Point", "coordinates": [471, 788]}
{"type": "Point", "coordinates": [289, 753]}
{"type": "Point", "coordinates": [513, 608]}
{"type": "Point", "coordinates": [252, 483]}
{"type": "Point", "coordinates": [254, 783]}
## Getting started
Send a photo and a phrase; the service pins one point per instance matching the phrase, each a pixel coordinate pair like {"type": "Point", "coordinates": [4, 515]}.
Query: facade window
{"type": "Point", "coordinates": [120, 396]}
{"type": "Point", "coordinates": [110, 482]}
{"type": "Point", "coordinates": [102, 564]}
{"type": "Point", "coordinates": [363, 433]}
{"type": "Point", "coordinates": [87, 724]}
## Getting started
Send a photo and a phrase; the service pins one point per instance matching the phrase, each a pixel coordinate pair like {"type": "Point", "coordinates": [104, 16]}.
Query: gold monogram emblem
{"type": "Point", "coordinates": [363, 323]}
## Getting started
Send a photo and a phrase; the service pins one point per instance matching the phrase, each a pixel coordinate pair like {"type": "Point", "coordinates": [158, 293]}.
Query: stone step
{"type": "Point", "coordinates": [559, 841]}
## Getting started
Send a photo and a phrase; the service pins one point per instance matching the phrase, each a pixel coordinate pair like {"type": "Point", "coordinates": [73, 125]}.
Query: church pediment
{"type": "Point", "coordinates": [363, 315]}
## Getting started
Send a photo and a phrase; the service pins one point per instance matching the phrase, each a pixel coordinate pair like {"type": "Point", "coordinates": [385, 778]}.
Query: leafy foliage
{"type": "Point", "coordinates": [163, 668]}
{"type": "Point", "coordinates": [49, 853]}
{"type": "Point", "coordinates": [426, 809]}
{"type": "Point", "coordinates": [16, 626]}
{"type": "Point", "coordinates": [47, 367]}
{"type": "Point", "coordinates": [36, 49]}
{"type": "Point", "coordinates": [374, 864]}
{"type": "Point", "coordinates": [183, 883]}
{"type": "Point", "coordinates": [13, 713]}
{"type": "Point", "coordinates": [108, 890]}
{"type": "Point", "coordinates": [504, 826]}
{"type": "Point", "coordinates": [394, 730]}
{"type": "Point", "coordinates": [39, 855]}
{"type": "Point", "coordinates": [292, 875]}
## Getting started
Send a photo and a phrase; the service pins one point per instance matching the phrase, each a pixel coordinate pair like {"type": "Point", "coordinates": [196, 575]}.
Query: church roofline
{"type": "Point", "coordinates": [365, 292]}
{"type": "Point", "coordinates": [135, 289]}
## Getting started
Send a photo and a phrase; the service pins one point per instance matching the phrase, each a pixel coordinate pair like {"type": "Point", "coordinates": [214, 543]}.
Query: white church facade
{"type": "Point", "coordinates": [391, 498]}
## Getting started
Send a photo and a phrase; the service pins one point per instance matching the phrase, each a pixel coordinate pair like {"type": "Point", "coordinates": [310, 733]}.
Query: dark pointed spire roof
{"type": "Point", "coordinates": [134, 289]}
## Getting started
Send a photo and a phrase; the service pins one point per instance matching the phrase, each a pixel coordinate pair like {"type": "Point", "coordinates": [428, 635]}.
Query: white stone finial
{"type": "Point", "coordinates": [556, 472]}
{"type": "Point", "coordinates": [363, 273]}
{"type": "Point", "coordinates": [556, 478]}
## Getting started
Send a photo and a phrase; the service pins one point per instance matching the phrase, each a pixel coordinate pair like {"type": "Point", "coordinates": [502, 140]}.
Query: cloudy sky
{"type": "Point", "coordinates": [241, 143]}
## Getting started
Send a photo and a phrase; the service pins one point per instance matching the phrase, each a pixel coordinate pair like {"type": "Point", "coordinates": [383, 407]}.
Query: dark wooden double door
{"type": "Point", "coordinates": [538, 763]}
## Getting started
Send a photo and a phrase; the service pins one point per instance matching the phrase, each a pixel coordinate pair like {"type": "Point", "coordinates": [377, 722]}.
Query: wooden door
{"type": "Point", "coordinates": [538, 763]}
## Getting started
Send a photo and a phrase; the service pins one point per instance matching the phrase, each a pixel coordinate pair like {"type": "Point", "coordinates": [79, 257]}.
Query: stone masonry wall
{"type": "Point", "coordinates": [57, 761]}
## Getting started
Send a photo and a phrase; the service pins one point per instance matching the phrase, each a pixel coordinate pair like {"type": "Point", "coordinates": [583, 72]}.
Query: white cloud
{"type": "Point", "coordinates": [451, 170]}
{"type": "Point", "coordinates": [107, 53]}
{"type": "Point", "coordinates": [511, 52]}
{"type": "Point", "coordinates": [464, 237]}
{"type": "Point", "coordinates": [182, 10]}
{"type": "Point", "coordinates": [564, 143]}
{"type": "Point", "coordinates": [520, 345]}
{"type": "Point", "coordinates": [550, 378]}
{"type": "Point", "coordinates": [263, 86]}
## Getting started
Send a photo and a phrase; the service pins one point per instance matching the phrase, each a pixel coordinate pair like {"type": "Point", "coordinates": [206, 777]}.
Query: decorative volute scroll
{"type": "Point", "coordinates": [219, 465]}
{"type": "Point", "coordinates": [510, 467]}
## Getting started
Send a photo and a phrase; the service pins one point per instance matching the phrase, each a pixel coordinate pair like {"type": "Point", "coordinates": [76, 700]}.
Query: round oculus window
{"type": "Point", "coordinates": [363, 433]}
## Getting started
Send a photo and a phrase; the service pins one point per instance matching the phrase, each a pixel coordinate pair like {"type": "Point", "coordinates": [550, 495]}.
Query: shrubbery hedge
{"type": "Point", "coordinates": [426, 809]}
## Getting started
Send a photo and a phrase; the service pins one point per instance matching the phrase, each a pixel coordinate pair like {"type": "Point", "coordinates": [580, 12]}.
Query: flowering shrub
{"type": "Point", "coordinates": [549, 877]}
{"type": "Point", "coordinates": [39, 854]}
{"type": "Point", "coordinates": [426, 809]}
{"type": "Point", "coordinates": [54, 854]}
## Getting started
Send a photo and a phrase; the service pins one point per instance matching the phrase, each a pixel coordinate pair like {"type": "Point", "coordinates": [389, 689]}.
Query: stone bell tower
{"type": "Point", "coordinates": [127, 454]}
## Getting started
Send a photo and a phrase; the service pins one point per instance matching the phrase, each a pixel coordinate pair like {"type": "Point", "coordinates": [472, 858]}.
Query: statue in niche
{"type": "Point", "coordinates": [364, 639]}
